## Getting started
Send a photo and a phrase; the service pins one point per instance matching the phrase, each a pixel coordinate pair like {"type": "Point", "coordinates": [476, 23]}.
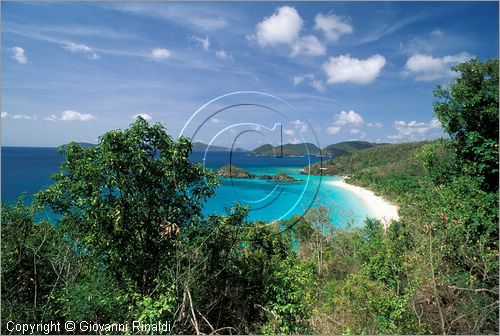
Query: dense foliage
{"type": "Point", "coordinates": [468, 111]}
{"type": "Point", "coordinates": [440, 261]}
{"type": "Point", "coordinates": [122, 239]}
{"type": "Point", "coordinates": [128, 243]}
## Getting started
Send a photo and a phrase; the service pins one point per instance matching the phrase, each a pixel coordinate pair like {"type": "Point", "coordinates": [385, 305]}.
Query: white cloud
{"type": "Point", "coordinates": [22, 116]}
{"type": "Point", "coordinates": [295, 141]}
{"type": "Point", "coordinates": [299, 78]}
{"type": "Point", "coordinates": [215, 120]}
{"type": "Point", "coordinates": [204, 43]}
{"type": "Point", "coordinates": [222, 54]}
{"type": "Point", "coordinates": [375, 124]}
{"type": "Point", "coordinates": [19, 55]}
{"type": "Point", "coordinates": [160, 53]}
{"type": "Point", "coordinates": [69, 115]}
{"type": "Point", "coordinates": [289, 131]}
{"type": "Point", "coordinates": [344, 118]}
{"type": "Point", "coordinates": [425, 44]}
{"type": "Point", "coordinates": [348, 118]}
{"type": "Point", "coordinates": [144, 116]}
{"type": "Point", "coordinates": [308, 45]}
{"type": "Point", "coordinates": [283, 27]}
{"type": "Point", "coordinates": [346, 69]}
{"type": "Point", "coordinates": [318, 85]}
{"type": "Point", "coordinates": [333, 129]}
{"type": "Point", "coordinates": [299, 125]}
{"type": "Point", "coordinates": [75, 47]}
{"type": "Point", "coordinates": [51, 117]}
{"type": "Point", "coordinates": [312, 81]}
{"type": "Point", "coordinates": [81, 49]}
{"type": "Point", "coordinates": [332, 26]}
{"type": "Point", "coordinates": [413, 128]}
{"type": "Point", "coordinates": [6, 115]}
{"type": "Point", "coordinates": [429, 68]}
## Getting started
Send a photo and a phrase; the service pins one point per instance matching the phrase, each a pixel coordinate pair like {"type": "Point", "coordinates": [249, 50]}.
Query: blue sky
{"type": "Point", "coordinates": [347, 71]}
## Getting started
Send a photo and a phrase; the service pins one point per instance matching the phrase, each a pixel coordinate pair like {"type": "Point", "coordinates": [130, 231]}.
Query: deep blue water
{"type": "Point", "coordinates": [28, 169]}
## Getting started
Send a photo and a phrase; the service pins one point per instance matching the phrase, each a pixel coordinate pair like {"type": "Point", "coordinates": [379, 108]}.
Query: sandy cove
{"type": "Point", "coordinates": [381, 208]}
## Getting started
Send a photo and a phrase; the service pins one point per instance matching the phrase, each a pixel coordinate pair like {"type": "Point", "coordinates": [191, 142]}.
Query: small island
{"type": "Point", "coordinates": [233, 171]}
{"type": "Point", "coordinates": [280, 177]}
{"type": "Point", "coordinates": [230, 171]}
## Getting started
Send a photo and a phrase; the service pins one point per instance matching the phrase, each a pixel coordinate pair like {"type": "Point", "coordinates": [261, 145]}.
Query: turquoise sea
{"type": "Point", "coordinates": [28, 169]}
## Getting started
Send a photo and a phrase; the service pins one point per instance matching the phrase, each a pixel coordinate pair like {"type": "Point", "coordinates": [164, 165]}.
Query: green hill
{"type": "Point", "coordinates": [383, 159]}
{"type": "Point", "coordinates": [335, 150]}
{"type": "Point", "coordinates": [288, 150]}
{"type": "Point", "coordinates": [347, 147]}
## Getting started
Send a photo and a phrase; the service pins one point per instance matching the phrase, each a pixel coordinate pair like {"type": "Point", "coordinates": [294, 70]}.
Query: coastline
{"type": "Point", "coordinates": [381, 209]}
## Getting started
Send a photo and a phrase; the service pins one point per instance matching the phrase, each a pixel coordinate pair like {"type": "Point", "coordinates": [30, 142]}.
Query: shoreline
{"type": "Point", "coordinates": [381, 209]}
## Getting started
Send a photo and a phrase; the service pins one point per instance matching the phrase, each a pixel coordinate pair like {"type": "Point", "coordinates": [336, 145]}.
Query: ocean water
{"type": "Point", "coordinates": [29, 169]}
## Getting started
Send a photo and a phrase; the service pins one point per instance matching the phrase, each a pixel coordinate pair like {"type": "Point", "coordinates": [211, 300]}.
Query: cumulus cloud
{"type": "Point", "coordinates": [375, 124]}
{"type": "Point", "coordinates": [82, 49]}
{"type": "Point", "coordinates": [308, 45]}
{"type": "Point", "coordinates": [413, 129]}
{"type": "Point", "coordinates": [19, 55]}
{"type": "Point", "coordinates": [429, 68]}
{"type": "Point", "coordinates": [204, 43]}
{"type": "Point", "coordinates": [288, 132]}
{"type": "Point", "coordinates": [215, 120]}
{"type": "Point", "coordinates": [283, 27]}
{"type": "Point", "coordinates": [69, 115]}
{"type": "Point", "coordinates": [348, 118]}
{"type": "Point", "coordinates": [160, 53]}
{"type": "Point", "coordinates": [295, 141]}
{"type": "Point", "coordinates": [332, 26]}
{"type": "Point", "coordinates": [4, 115]}
{"type": "Point", "coordinates": [347, 69]}
{"type": "Point", "coordinates": [299, 125]}
{"type": "Point", "coordinates": [144, 116]}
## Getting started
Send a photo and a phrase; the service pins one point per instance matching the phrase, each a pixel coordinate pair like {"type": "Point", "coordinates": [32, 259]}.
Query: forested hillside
{"type": "Point", "coordinates": [335, 150]}
{"type": "Point", "coordinates": [287, 150]}
{"type": "Point", "coordinates": [347, 147]}
{"type": "Point", "coordinates": [435, 270]}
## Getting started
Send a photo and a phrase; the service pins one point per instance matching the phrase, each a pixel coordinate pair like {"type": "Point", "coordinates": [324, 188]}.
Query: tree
{"type": "Point", "coordinates": [468, 112]}
{"type": "Point", "coordinates": [36, 262]}
{"type": "Point", "coordinates": [122, 201]}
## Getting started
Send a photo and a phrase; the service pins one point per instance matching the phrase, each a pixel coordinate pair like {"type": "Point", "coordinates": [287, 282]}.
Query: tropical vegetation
{"type": "Point", "coordinates": [120, 236]}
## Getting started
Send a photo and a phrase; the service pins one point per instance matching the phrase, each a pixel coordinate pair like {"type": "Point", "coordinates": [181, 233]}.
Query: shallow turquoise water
{"type": "Point", "coordinates": [27, 170]}
{"type": "Point", "coordinates": [270, 201]}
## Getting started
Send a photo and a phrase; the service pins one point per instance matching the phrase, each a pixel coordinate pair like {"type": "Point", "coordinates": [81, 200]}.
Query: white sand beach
{"type": "Point", "coordinates": [381, 208]}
